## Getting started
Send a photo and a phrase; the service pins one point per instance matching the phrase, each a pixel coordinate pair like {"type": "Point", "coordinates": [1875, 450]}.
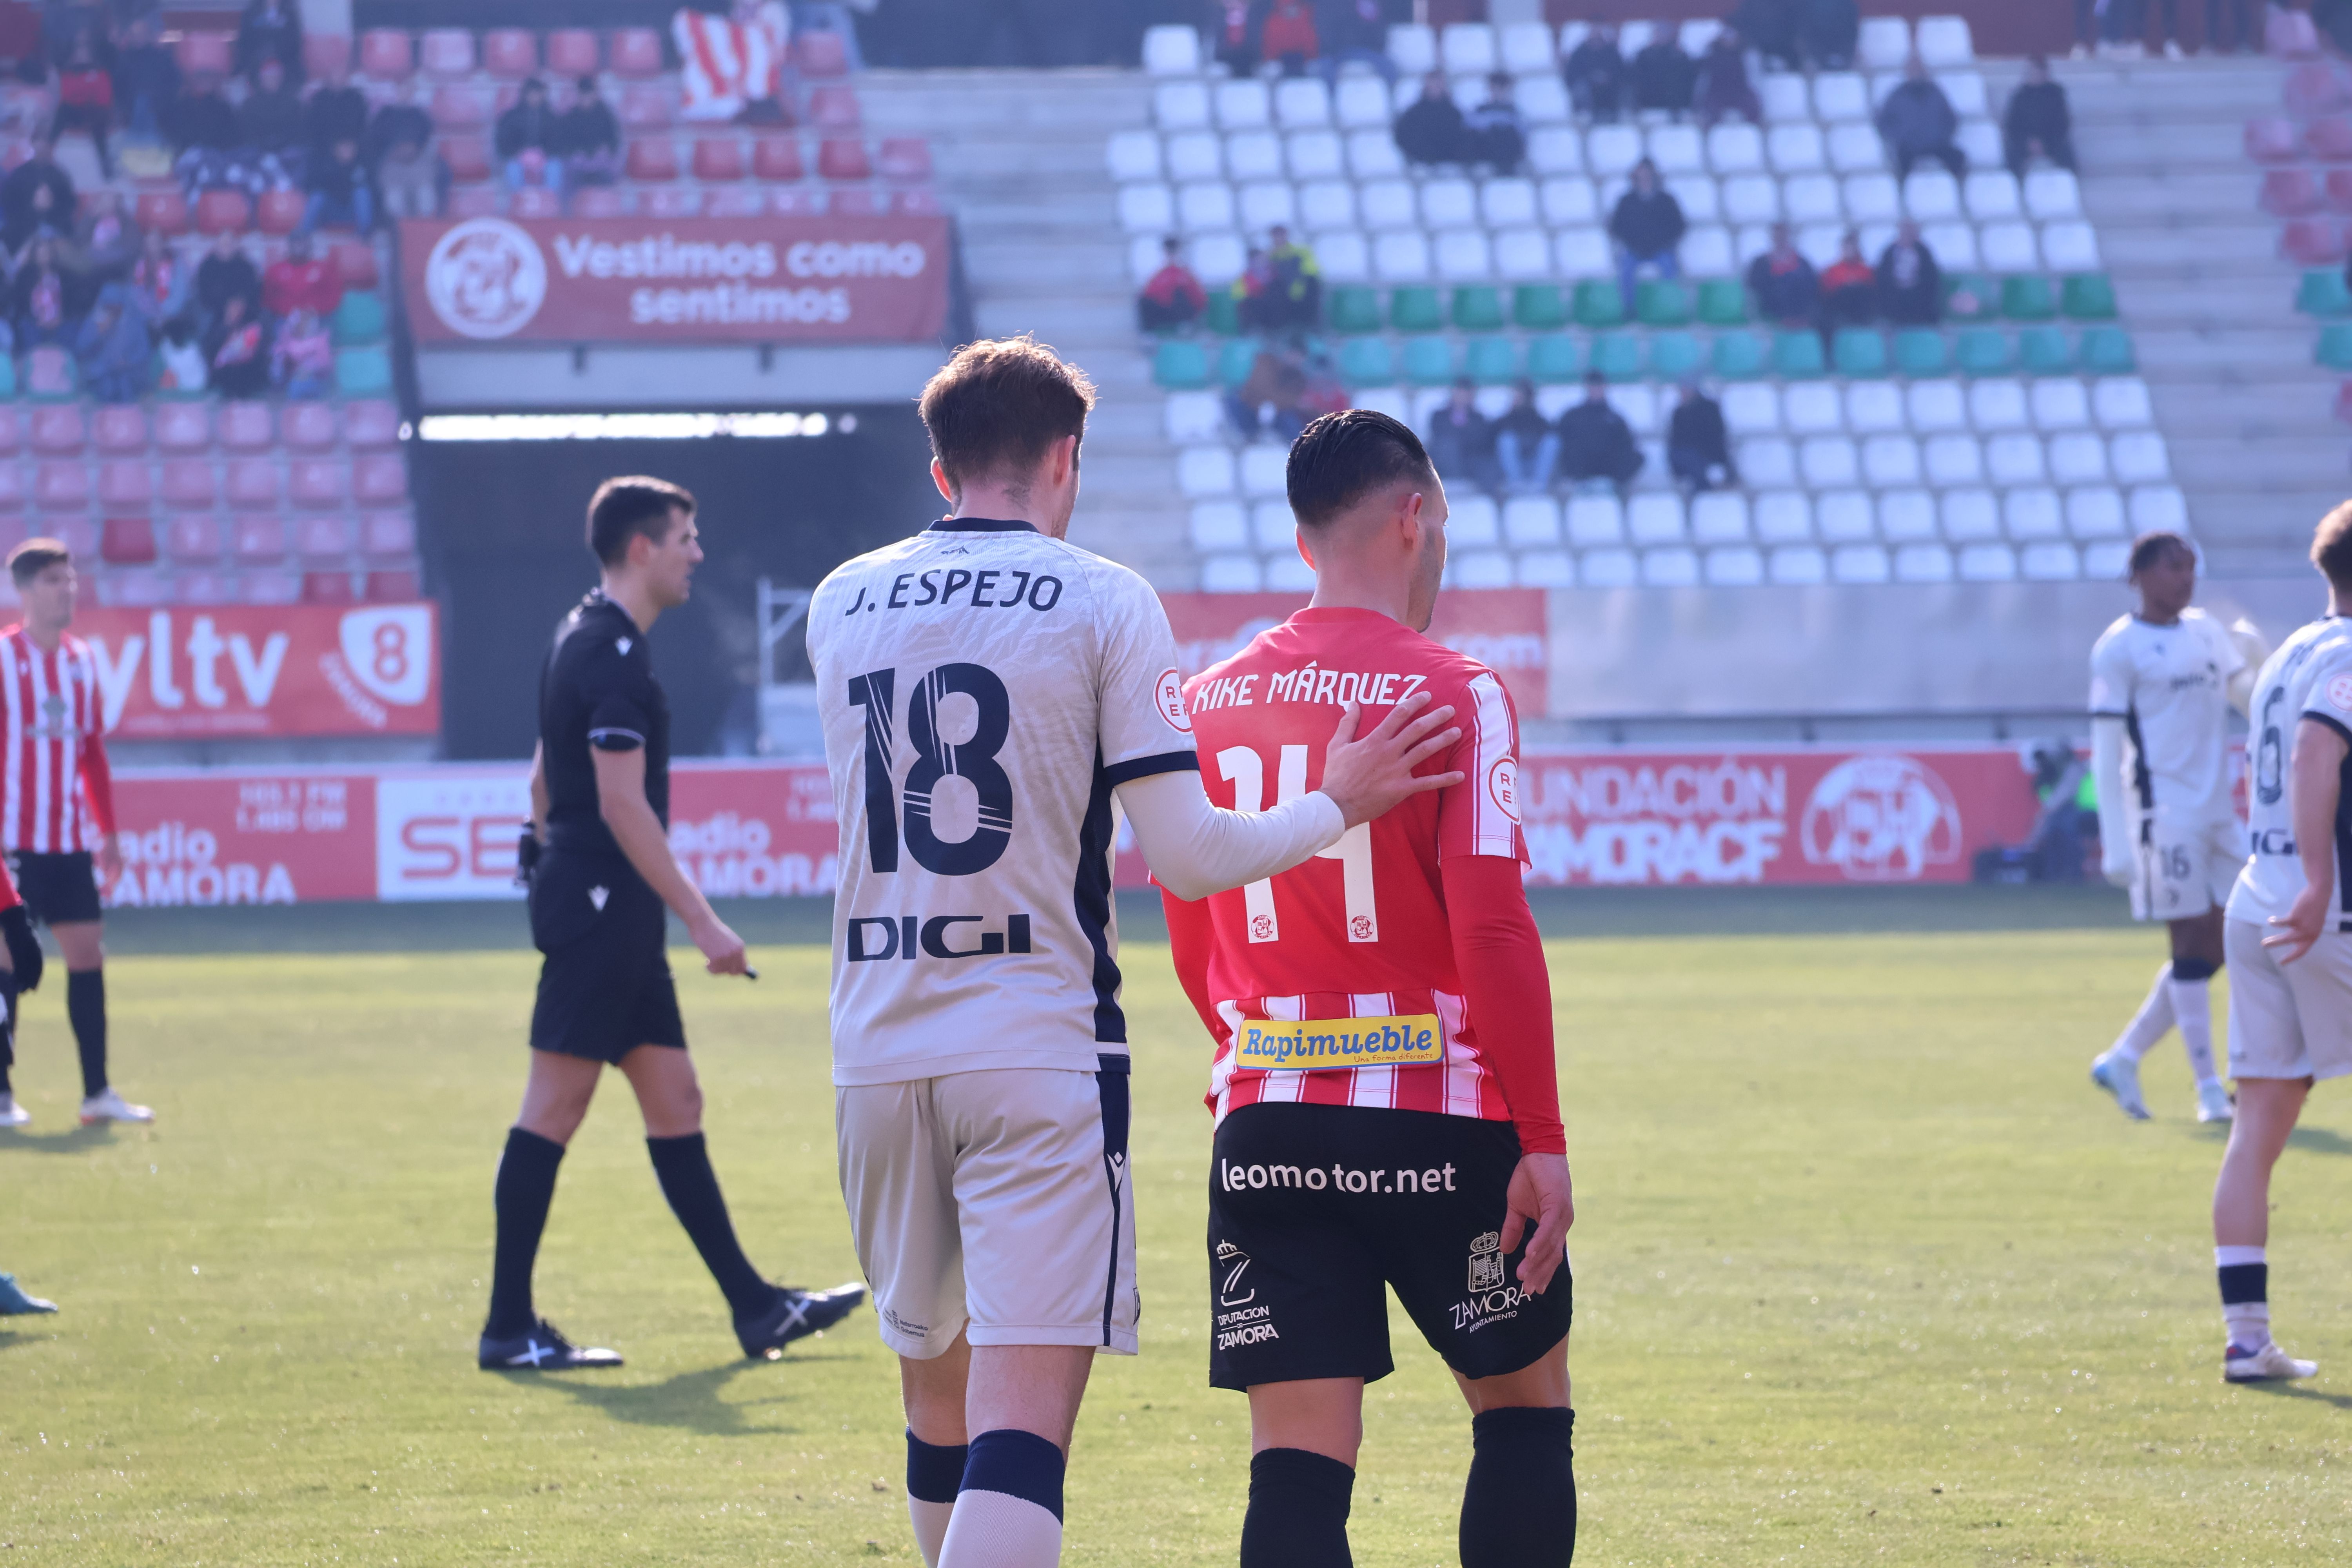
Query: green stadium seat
{"type": "Point", "coordinates": [2028, 297]}
{"type": "Point", "coordinates": [1738, 356]}
{"type": "Point", "coordinates": [1491, 361]}
{"type": "Point", "coordinates": [1662, 302]}
{"type": "Point", "coordinates": [1552, 359]}
{"type": "Point", "coordinates": [1367, 362]}
{"type": "Point", "coordinates": [8, 376]}
{"type": "Point", "coordinates": [1860, 352]}
{"type": "Point", "coordinates": [1236, 357]}
{"type": "Point", "coordinates": [1223, 316]}
{"type": "Point", "coordinates": [1969, 297]}
{"type": "Point", "coordinates": [359, 319]}
{"type": "Point", "coordinates": [1478, 309]}
{"type": "Point", "coordinates": [2107, 350]}
{"type": "Point", "coordinates": [1723, 302]}
{"type": "Point", "coordinates": [2324, 293]}
{"type": "Point", "coordinates": [1675, 356]}
{"type": "Point", "coordinates": [1982, 351]}
{"type": "Point", "coordinates": [1355, 311]}
{"type": "Point", "coordinates": [1599, 304]}
{"type": "Point", "coordinates": [1540, 307]}
{"type": "Point", "coordinates": [2044, 351]}
{"type": "Point", "coordinates": [363, 372]}
{"type": "Point", "coordinates": [1617, 355]}
{"type": "Point", "coordinates": [1798, 355]}
{"type": "Point", "coordinates": [2091, 297]}
{"type": "Point", "coordinates": [2334, 349]}
{"type": "Point", "coordinates": [1429, 361]}
{"type": "Point", "coordinates": [1415, 310]}
{"type": "Point", "coordinates": [1920, 351]}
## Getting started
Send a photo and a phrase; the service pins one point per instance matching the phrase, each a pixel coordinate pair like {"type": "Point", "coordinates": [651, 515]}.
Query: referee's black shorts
{"type": "Point", "coordinates": [604, 988]}
{"type": "Point", "coordinates": [57, 890]}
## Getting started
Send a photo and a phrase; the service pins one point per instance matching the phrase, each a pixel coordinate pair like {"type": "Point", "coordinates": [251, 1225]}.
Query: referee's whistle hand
{"type": "Point", "coordinates": [722, 950]}
{"type": "Point", "coordinates": [1541, 1197]}
{"type": "Point", "coordinates": [1365, 775]}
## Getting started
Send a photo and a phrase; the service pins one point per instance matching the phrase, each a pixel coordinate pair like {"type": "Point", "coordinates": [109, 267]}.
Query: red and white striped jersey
{"type": "Point", "coordinates": [1360, 931]}
{"type": "Point", "coordinates": [55, 791]}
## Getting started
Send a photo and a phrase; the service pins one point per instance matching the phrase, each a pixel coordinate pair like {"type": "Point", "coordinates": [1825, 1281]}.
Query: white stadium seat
{"type": "Point", "coordinates": [1923, 563]}
{"type": "Point", "coordinates": [1273, 530]}
{"type": "Point", "coordinates": [2032, 512]}
{"type": "Point", "coordinates": [1830, 462]}
{"type": "Point", "coordinates": [1885, 43]}
{"type": "Point", "coordinates": [1931, 196]}
{"type": "Point", "coordinates": [2050, 563]}
{"type": "Point", "coordinates": [1219, 525]}
{"type": "Point", "coordinates": [1143, 257]}
{"type": "Point", "coordinates": [1736, 567]}
{"type": "Point", "coordinates": [1401, 258]}
{"type": "Point", "coordinates": [1196, 155]}
{"type": "Point", "coordinates": [1180, 105]}
{"type": "Point", "coordinates": [1474, 521]}
{"type": "Point", "coordinates": [1953, 460]}
{"type": "Point", "coordinates": [1544, 569]}
{"type": "Point", "coordinates": [2096, 511]}
{"type": "Point", "coordinates": [1751, 408]}
{"type": "Point", "coordinates": [1467, 46]}
{"type": "Point", "coordinates": [2060, 403]}
{"type": "Point", "coordinates": [1328, 204]}
{"type": "Point", "coordinates": [1698, 196]}
{"type": "Point", "coordinates": [1737, 149]}
{"type": "Point", "coordinates": [1812, 408]}
{"type": "Point", "coordinates": [1784, 96]}
{"type": "Point", "coordinates": [1676, 149]}
{"type": "Point", "coordinates": [1840, 95]}
{"type": "Point", "coordinates": [1595, 520]}
{"type": "Point", "coordinates": [1954, 246]}
{"type": "Point", "coordinates": [1146, 209]}
{"type": "Point", "coordinates": [1314, 155]}
{"type": "Point", "coordinates": [1244, 105]}
{"type": "Point", "coordinates": [1752, 198]}
{"type": "Point", "coordinates": [2139, 459]}
{"type": "Point", "coordinates": [1969, 515]}
{"type": "Point", "coordinates": [1637, 403]}
{"type": "Point", "coordinates": [1606, 569]}
{"type": "Point", "coordinates": [1718, 516]}
{"type": "Point", "coordinates": [1997, 405]}
{"type": "Point", "coordinates": [2107, 561]}
{"type": "Point", "coordinates": [1413, 47]}
{"type": "Point", "coordinates": [1844, 517]}
{"type": "Point", "coordinates": [1302, 103]}
{"type": "Point", "coordinates": [1373, 155]}
{"type": "Point", "coordinates": [1449, 204]}
{"type": "Point", "coordinates": [1253, 155]}
{"type": "Point", "coordinates": [1134, 156]}
{"type": "Point", "coordinates": [1231, 575]}
{"type": "Point", "coordinates": [1872, 406]}
{"type": "Point", "coordinates": [1393, 401]}
{"type": "Point", "coordinates": [1261, 470]}
{"type": "Point", "coordinates": [1463, 256]}
{"type": "Point", "coordinates": [2010, 247]}
{"type": "Point", "coordinates": [1267, 203]}
{"type": "Point", "coordinates": [1287, 574]}
{"type": "Point", "coordinates": [1612, 149]}
{"type": "Point", "coordinates": [1966, 92]}
{"type": "Point", "coordinates": [2077, 458]}
{"type": "Point", "coordinates": [1856, 147]}
{"type": "Point", "coordinates": [2155, 507]}
{"type": "Point", "coordinates": [1905, 516]}
{"type": "Point", "coordinates": [2014, 459]}
{"type": "Point", "coordinates": [1555, 149]}
{"type": "Point", "coordinates": [1936, 405]}
{"type": "Point", "coordinates": [1530, 522]}
{"type": "Point", "coordinates": [1783, 517]}
{"type": "Point", "coordinates": [1795, 149]}
{"type": "Point", "coordinates": [1172, 51]}
{"type": "Point", "coordinates": [1205, 471]}
{"type": "Point", "coordinates": [1469, 91]}
{"type": "Point", "coordinates": [1388, 204]}
{"type": "Point", "coordinates": [1943, 42]}
{"type": "Point", "coordinates": [1991, 194]}
{"type": "Point", "coordinates": [1988, 564]}
{"type": "Point", "coordinates": [1582, 252]}
{"type": "Point", "coordinates": [1820, 242]}
{"type": "Point", "coordinates": [1873, 197]}
{"type": "Point", "coordinates": [1544, 100]}
{"type": "Point", "coordinates": [1860, 564]}
{"type": "Point", "coordinates": [1523, 255]}
{"type": "Point", "coordinates": [1798, 566]}
{"type": "Point", "coordinates": [1750, 241]}
{"type": "Point", "coordinates": [1812, 198]}
{"type": "Point", "coordinates": [1632, 37]}
{"type": "Point", "coordinates": [2070, 247]}
{"type": "Point", "coordinates": [1890, 462]}
{"type": "Point", "coordinates": [1362, 103]}
{"type": "Point", "coordinates": [1670, 568]}
{"type": "Point", "coordinates": [1479, 569]}
{"type": "Point", "coordinates": [1697, 34]}
{"type": "Point", "coordinates": [1205, 205]}
{"type": "Point", "coordinates": [1706, 252]}
{"type": "Point", "coordinates": [1194, 416]}
{"type": "Point", "coordinates": [1343, 257]}
{"type": "Point", "coordinates": [1527, 48]}
{"type": "Point", "coordinates": [1767, 462]}
{"type": "Point", "coordinates": [1655, 517]}
{"type": "Point", "coordinates": [2121, 403]}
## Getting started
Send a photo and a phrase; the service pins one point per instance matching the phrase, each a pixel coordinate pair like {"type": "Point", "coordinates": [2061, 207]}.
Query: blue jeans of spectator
{"type": "Point", "coordinates": [1629, 264]}
{"type": "Point", "coordinates": [1526, 473]}
{"type": "Point", "coordinates": [358, 211]}
{"type": "Point", "coordinates": [517, 178]}
{"type": "Point", "coordinates": [829, 15]}
{"type": "Point", "coordinates": [1328, 67]}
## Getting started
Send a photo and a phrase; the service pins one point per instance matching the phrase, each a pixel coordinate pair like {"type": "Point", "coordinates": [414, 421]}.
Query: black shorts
{"type": "Point", "coordinates": [606, 986]}
{"type": "Point", "coordinates": [57, 890]}
{"type": "Point", "coordinates": [1313, 1208]}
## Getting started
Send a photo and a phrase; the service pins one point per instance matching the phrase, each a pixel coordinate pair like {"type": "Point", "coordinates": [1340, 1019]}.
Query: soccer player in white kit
{"type": "Point", "coordinates": [987, 689]}
{"type": "Point", "coordinates": [2163, 680]}
{"type": "Point", "coordinates": [2289, 936]}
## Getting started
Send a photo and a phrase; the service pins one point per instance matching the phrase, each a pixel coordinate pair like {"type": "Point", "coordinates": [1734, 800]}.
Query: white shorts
{"type": "Point", "coordinates": [2184, 869]}
{"type": "Point", "coordinates": [2288, 1020]}
{"type": "Point", "coordinates": [994, 1202]}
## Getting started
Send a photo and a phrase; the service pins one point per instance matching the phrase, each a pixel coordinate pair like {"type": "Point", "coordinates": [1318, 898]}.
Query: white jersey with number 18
{"type": "Point", "coordinates": [2310, 676]}
{"type": "Point", "coordinates": [984, 690]}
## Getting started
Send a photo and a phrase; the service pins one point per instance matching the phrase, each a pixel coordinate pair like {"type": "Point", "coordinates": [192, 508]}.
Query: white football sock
{"type": "Point", "coordinates": [2150, 1023]}
{"type": "Point", "coordinates": [931, 1527]}
{"type": "Point", "coordinates": [997, 1530]}
{"type": "Point", "coordinates": [2192, 1013]}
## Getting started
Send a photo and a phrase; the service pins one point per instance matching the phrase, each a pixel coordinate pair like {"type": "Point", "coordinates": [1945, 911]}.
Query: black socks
{"type": "Point", "coordinates": [525, 1186]}
{"type": "Point", "coordinates": [1298, 1511]}
{"type": "Point", "coordinates": [683, 1164]}
{"type": "Point", "coordinates": [1519, 1509]}
{"type": "Point", "coordinates": [7, 1029]}
{"type": "Point", "coordinates": [86, 1006]}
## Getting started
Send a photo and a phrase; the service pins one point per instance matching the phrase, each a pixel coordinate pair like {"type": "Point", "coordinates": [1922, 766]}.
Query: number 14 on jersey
{"type": "Point", "coordinates": [1242, 767]}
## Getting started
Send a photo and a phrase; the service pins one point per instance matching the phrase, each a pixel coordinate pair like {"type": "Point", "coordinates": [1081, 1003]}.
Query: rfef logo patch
{"type": "Point", "coordinates": [1172, 700]}
{"type": "Point", "coordinates": [2339, 692]}
{"type": "Point", "coordinates": [1502, 786]}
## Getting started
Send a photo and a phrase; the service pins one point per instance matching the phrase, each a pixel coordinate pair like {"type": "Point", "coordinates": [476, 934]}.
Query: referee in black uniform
{"type": "Point", "coordinates": [600, 870]}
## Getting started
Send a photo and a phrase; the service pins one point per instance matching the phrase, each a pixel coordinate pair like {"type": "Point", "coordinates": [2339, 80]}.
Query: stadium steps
{"type": "Point", "coordinates": [2208, 298]}
{"type": "Point", "coordinates": [1017, 158]}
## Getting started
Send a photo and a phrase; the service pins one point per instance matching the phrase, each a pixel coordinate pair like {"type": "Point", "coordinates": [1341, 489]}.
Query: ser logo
{"type": "Point", "coordinates": [872, 938]}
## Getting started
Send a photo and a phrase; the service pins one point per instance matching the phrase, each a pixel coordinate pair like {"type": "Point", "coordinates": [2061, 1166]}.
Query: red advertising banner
{"type": "Point", "coordinates": [248, 672]}
{"type": "Point", "coordinates": [752, 279]}
{"type": "Point", "coordinates": [197, 839]}
{"type": "Point", "coordinates": [1502, 629]}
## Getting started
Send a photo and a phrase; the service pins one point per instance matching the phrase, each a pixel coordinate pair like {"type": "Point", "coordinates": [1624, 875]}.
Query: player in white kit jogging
{"type": "Point", "coordinates": [987, 689]}
{"type": "Point", "coordinates": [2163, 680]}
{"type": "Point", "coordinates": [2289, 935]}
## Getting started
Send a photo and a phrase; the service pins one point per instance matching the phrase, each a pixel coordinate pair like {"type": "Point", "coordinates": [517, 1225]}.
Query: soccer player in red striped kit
{"type": "Point", "coordinates": [57, 798]}
{"type": "Point", "coordinates": [1387, 1103]}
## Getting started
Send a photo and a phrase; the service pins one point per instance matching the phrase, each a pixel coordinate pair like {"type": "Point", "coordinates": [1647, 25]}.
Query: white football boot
{"type": "Point", "coordinates": [13, 1114]}
{"type": "Point", "coordinates": [2267, 1364]}
{"type": "Point", "coordinates": [110, 1106]}
{"type": "Point", "coordinates": [2213, 1102]}
{"type": "Point", "coordinates": [2118, 1074]}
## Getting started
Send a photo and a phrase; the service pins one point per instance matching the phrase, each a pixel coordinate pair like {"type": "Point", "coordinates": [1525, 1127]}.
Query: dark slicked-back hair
{"type": "Point", "coordinates": [2153, 546]}
{"type": "Point", "coordinates": [35, 556]}
{"type": "Point", "coordinates": [624, 508]}
{"type": "Point", "coordinates": [2331, 547]}
{"type": "Point", "coordinates": [995, 408]}
{"type": "Point", "coordinates": [1343, 457]}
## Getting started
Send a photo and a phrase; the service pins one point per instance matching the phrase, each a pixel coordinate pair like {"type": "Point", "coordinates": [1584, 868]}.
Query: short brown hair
{"type": "Point", "coordinates": [993, 409]}
{"type": "Point", "coordinates": [35, 556]}
{"type": "Point", "coordinates": [624, 508]}
{"type": "Point", "coordinates": [2154, 545]}
{"type": "Point", "coordinates": [2331, 546]}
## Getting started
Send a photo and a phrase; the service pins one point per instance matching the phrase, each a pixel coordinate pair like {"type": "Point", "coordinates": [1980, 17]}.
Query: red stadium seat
{"type": "Point", "coordinates": [323, 539]}
{"type": "Point", "coordinates": [718, 158]}
{"type": "Point", "coordinates": [821, 52]}
{"type": "Point", "coordinates": [326, 57]}
{"type": "Point", "coordinates": [59, 430]}
{"type": "Point", "coordinates": [448, 52]}
{"type": "Point", "coordinates": [473, 201]}
{"type": "Point", "coordinates": [861, 201]}
{"type": "Point", "coordinates": [12, 431]}
{"type": "Point", "coordinates": [458, 106]}
{"type": "Point", "coordinates": [369, 422]}
{"type": "Point", "coordinates": [2291, 192]}
{"type": "Point", "coordinates": [388, 536]}
{"type": "Point", "coordinates": [79, 534]}
{"type": "Point", "coordinates": [386, 55]}
{"type": "Point", "coordinates": [599, 201]}
{"type": "Point", "coordinates": [834, 108]}
{"type": "Point", "coordinates": [778, 158]}
{"type": "Point", "coordinates": [906, 159]}
{"type": "Point", "coordinates": [204, 588]}
{"type": "Point", "coordinates": [49, 372]}
{"type": "Point", "coordinates": [653, 159]}
{"type": "Point", "coordinates": [124, 484]}
{"type": "Point", "coordinates": [193, 541]}
{"type": "Point", "coordinates": [317, 482]}
{"type": "Point", "coordinates": [2313, 88]}
{"type": "Point", "coordinates": [127, 542]}
{"type": "Point", "coordinates": [736, 201]}
{"type": "Point", "coordinates": [307, 427]}
{"type": "Point", "coordinates": [645, 106]}
{"type": "Point", "coordinates": [61, 486]}
{"type": "Point", "coordinates": [672, 201]}
{"type": "Point", "coordinates": [280, 212]}
{"type": "Point", "coordinates": [535, 201]}
{"type": "Point", "coordinates": [12, 492]}
{"type": "Point", "coordinates": [511, 53]}
{"type": "Point", "coordinates": [379, 478]}
{"type": "Point", "coordinates": [183, 426]}
{"type": "Point", "coordinates": [328, 588]}
{"type": "Point", "coordinates": [253, 481]}
{"type": "Point", "coordinates": [2272, 140]}
{"type": "Point", "coordinates": [840, 158]}
{"type": "Point", "coordinates": [922, 200]}
{"type": "Point", "coordinates": [635, 52]}
{"type": "Point", "coordinates": [207, 55]}
{"type": "Point", "coordinates": [802, 201]}
{"type": "Point", "coordinates": [247, 427]}
{"type": "Point", "coordinates": [2313, 241]}
{"type": "Point", "coordinates": [572, 52]}
{"type": "Point", "coordinates": [257, 538]}
{"type": "Point", "coordinates": [166, 212]}
{"type": "Point", "coordinates": [468, 158]}
{"type": "Point", "coordinates": [223, 212]}
{"type": "Point", "coordinates": [2339, 189]}
{"type": "Point", "coordinates": [189, 484]}
{"type": "Point", "coordinates": [270, 588]}
{"type": "Point", "coordinates": [356, 261]}
{"type": "Point", "coordinates": [2331, 139]}
{"type": "Point", "coordinates": [394, 587]}
{"type": "Point", "coordinates": [121, 428]}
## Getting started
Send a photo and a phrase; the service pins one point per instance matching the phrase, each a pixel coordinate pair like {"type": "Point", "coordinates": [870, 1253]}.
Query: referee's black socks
{"type": "Point", "coordinates": [1297, 1514]}
{"type": "Point", "coordinates": [1519, 1509]}
{"type": "Point", "coordinates": [86, 1008]}
{"type": "Point", "coordinates": [525, 1186]}
{"type": "Point", "coordinates": [683, 1164]}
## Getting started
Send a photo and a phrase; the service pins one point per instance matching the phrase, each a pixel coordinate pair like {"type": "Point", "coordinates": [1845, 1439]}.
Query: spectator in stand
{"type": "Point", "coordinates": [37, 194]}
{"type": "Point", "coordinates": [85, 101]}
{"type": "Point", "coordinates": [1595, 442]}
{"type": "Point", "coordinates": [270, 30]}
{"type": "Point", "coordinates": [1786, 290]}
{"type": "Point", "coordinates": [1826, 33]}
{"type": "Point", "coordinates": [1461, 441]}
{"type": "Point", "coordinates": [1286, 36]}
{"type": "Point", "coordinates": [1432, 130]}
{"type": "Point", "coordinates": [395, 124]}
{"type": "Point", "coordinates": [1770, 28]}
{"type": "Point", "coordinates": [335, 111]}
{"type": "Point", "coordinates": [1495, 134]}
{"type": "Point", "coordinates": [1271, 404]}
{"type": "Point", "coordinates": [2243, 36]}
{"type": "Point", "coordinates": [2038, 123]}
{"type": "Point", "coordinates": [181, 351]}
{"type": "Point", "coordinates": [1325, 393]}
{"type": "Point", "coordinates": [301, 279]}
{"type": "Point", "coordinates": [1174, 299]}
{"type": "Point", "coordinates": [1647, 228]}
{"type": "Point", "coordinates": [1597, 77]}
{"type": "Point", "coordinates": [1527, 446]}
{"type": "Point", "coordinates": [1698, 444]}
{"type": "Point", "coordinates": [162, 285]}
{"type": "Point", "coordinates": [528, 144]}
{"type": "Point", "coordinates": [303, 361]}
{"type": "Point", "coordinates": [67, 23]}
{"type": "Point", "coordinates": [1917, 122]}
{"type": "Point", "coordinates": [226, 274]}
{"type": "Point", "coordinates": [411, 180]}
{"type": "Point", "coordinates": [1849, 289]}
{"type": "Point", "coordinates": [48, 300]}
{"type": "Point", "coordinates": [1252, 292]}
{"type": "Point", "coordinates": [269, 121]}
{"type": "Point", "coordinates": [201, 121]}
{"type": "Point", "coordinates": [146, 83]}
{"type": "Point", "coordinates": [1664, 77]}
{"type": "Point", "coordinates": [590, 137]}
{"type": "Point", "coordinates": [1910, 284]}
{"type": "Point", "coordinates": [236, 352]}
{"type": "Point", "coordinates": [1294, 299]}
{"type": "Point", "coordinates": [1231, 37]}
{"type": "Point", "coordinates": [1353, 30]}
{"type": "Point", "coordinates": [1725, 88]}
{"type": "Point", "coordinates": [106, 241]}
{"type": "Point", "coordinates": [114, 347]}
{"type": "Point", "coordinates": [339, 192]}
{"type": "Point", "coordinates": [831, 17]}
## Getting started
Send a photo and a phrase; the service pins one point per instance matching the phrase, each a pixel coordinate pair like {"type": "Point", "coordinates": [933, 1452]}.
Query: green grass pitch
{"type": "Point", "coordinates": [1865, 1273]}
